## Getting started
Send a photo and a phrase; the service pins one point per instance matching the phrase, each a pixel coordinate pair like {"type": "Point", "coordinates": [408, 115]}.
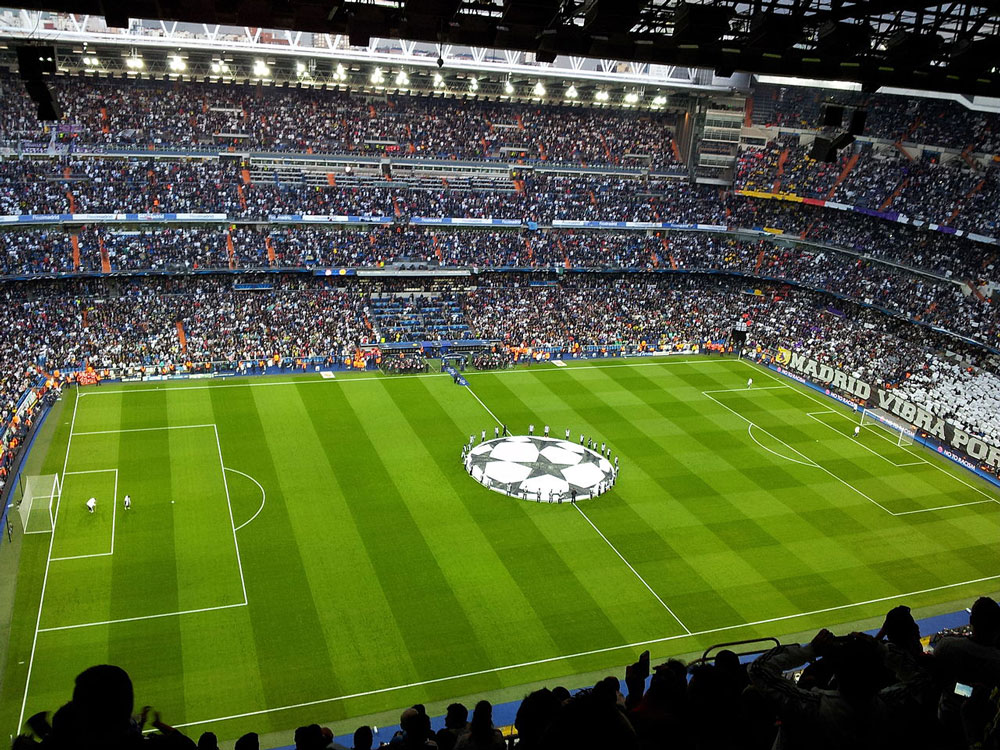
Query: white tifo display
{"type": "Point", "coordinates": [37, 506]}
{"type": "Point", "coordinates": [901, 432]}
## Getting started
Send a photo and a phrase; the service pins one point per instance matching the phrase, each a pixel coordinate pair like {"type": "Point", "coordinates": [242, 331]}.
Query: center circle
{"type": "Point", "coordinates": [540, 469]}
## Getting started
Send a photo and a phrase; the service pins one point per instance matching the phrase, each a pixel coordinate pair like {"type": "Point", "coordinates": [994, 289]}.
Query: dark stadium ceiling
{"type": "Point", "coordinates": [939, 47]}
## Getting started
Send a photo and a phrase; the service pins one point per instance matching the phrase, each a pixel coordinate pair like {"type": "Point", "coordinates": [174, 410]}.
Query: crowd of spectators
{"type": "Point", "coordinates": [951, 193]}
{"type": "Point", "coordinates": [920, 297]}
{"type": "Point", "coordinates": [35, 187]}
{"type": "Point", "coordinates": [124, 323]}
{"type": "Point", "coordinates": [158, 115]}
{"type": "Point", "coordinates": [849, 692]}
{"type": "Point", "coordinates": [968, 397]}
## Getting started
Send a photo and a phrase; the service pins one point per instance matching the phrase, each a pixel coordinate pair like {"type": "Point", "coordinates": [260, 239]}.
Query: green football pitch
{"type": "Point", "coordinates": [312, 549]}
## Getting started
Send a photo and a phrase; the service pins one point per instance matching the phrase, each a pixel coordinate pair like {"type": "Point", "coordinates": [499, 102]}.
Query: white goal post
{"type": "Point", "coordinates": [901, 432]}
{"type": "Point", "coordinates": [37, 505]}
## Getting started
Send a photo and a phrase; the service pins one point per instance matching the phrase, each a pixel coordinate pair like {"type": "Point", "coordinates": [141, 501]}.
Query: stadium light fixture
{"type": "Point", "coordinates": [176, 63]}
{"type": "Point", "coordinates": [473, 85]}
{"type": "Point", "coordinates": [91, 62]}
{"type": "Point", "coordinates": [539, 89]}
{"type": "Point", "coordinates": [508, 87]}
{"type": "Point", "coordinates": [260, 68]}
{"type": "Point", "coordinates": [571, 92]}
{"type": "Point", "coordinates": [631, 98]}
{"type": "Point", "coordinates": [402, 79]}
{"type": "Point", "coordinates": [438, 81]}
{"type": "Point", "coordinates": [300, 67]}
{"type": "Point", "coordinates": [601, 96]}
{"type": "Point", "coordinates": [377, 76]}
{"type": "Point", "coordinates": [134, 63]}
{"type": "Point", "coordinates": [659, 101]}
{"type": "Point", "coordinates": [340, 74]}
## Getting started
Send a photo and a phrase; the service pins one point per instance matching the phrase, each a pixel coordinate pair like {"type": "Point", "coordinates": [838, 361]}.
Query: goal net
{"type": "Point", "coordinates": [900, 432]}
{"type": "Point", "coordinates": [37, 506]}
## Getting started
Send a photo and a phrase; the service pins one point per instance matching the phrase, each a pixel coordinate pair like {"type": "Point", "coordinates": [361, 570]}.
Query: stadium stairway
{"type": "Point", "coordinates": [504, 714]}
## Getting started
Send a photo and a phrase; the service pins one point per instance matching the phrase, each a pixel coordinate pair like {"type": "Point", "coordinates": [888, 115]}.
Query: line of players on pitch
{"type": "Point", "coordinates": [92, 503]}
{"type": "Point", "coordinates": [553, 496]}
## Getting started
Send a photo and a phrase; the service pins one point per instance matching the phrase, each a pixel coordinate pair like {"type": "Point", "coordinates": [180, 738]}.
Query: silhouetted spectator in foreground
{"type": "Point", "coordinates": [848, 714]}
{"type": "Point", "coordinates": [364, 738]}
{"type": "Point", "coordinates": [482, 735]}
{"type": "Point", "coordinates": [534, 715]}
{"type": "Point", "coordinates": [456, 723]}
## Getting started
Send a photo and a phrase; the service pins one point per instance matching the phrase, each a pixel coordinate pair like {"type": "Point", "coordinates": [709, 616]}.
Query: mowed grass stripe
{"type": "Point", "coordinates": [278, 593]}
{"type": "Point", "coordinates": [144, 572]}
{"type": "Point", "coordinates": [582, 601]}
{"type": "Point", "coordinates": [438, 636]}
{"type": "Point", "coordinates": [653, 554]}
{"type": "Point", "coordinates": [757, 548]}
{"type": "Point", "coordinates": [361, 640]}
{"type": "Point", "coordinates": [504, 620]}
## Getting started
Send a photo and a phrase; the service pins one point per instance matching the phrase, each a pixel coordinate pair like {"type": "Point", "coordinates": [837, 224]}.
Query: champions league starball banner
{"type": "Point", "coordinates": [800, 366]}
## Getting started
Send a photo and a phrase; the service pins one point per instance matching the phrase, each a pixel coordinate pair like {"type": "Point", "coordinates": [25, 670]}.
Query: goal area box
{"type": "Point", "coordinates": [901, 433]}
{"type": "Point", "coordinates": [37, 504]}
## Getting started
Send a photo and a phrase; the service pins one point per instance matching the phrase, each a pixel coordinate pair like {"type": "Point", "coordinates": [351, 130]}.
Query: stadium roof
{"type": "Point", "coordinates": [939, 47]}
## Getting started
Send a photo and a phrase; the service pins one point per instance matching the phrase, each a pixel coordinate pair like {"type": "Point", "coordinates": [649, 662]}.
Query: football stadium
{"type": "Point", "coordinates": [500, 374]}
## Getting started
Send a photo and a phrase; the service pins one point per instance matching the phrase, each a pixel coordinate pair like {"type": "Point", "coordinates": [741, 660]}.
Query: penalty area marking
{"type": "Point", "coordinates": [811, 464]}
{"type": "Point", "coordinates": [826, 404]}
{"type": "Point", "coordinates": [832, 474]}
{"type": "Point", "coordinates": [593, 652]}
{"type": "Point", "coordinates": [813, 415]}
{"type": "Point", "coordinates": [263, 494]}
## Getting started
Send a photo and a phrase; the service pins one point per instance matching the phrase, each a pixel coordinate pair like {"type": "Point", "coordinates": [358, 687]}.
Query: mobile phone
{"type": "Point", "coordinates": [964, 690]}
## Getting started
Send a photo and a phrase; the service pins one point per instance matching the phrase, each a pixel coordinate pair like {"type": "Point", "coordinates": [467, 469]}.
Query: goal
{"type": "Point", "coordinates": [37, 506]}
{"type": "Point", "coordinates": [902, 433]}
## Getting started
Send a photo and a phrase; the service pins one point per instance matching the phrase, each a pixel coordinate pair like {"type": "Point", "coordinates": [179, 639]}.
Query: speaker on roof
{"type": "Point", "coordinates": [833, 115]}
{"type": "Point", "coordinates": [822, 150]}
{"type": "Point", "coordinates": [841, 141]}
{"type": "Point", "coordinates": [858, 119]}
{"type": "Point", "coordinates": [35, 61]}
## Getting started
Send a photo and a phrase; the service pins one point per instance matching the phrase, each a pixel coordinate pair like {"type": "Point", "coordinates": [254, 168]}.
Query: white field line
{"type": "Point", "coordinates": [601, 534]}
{"type": "Point", "coordinates": [744, 388]}
{"type": "Point", "coordinates": [634, 571]}
{"type": "Point", "coordinates": [141, 617]}
{"type": "Point", "coordinates": [488, 410]}
{"type": "Point", "coordinates": [114, 510]}
{"type": "Point", "coordinates": [45, 577]}
{"type": "Point", "coordinates": [811, 464]}
{"type": "Point", "coordinates": [794, 450]}
{"type": "Point", "coordinates": [608, 649]}
{"type": "Point", "coordinates": [263, 495]}
{"type": "Point", "coordinates": [940, 507]}
{"type": "Point", "coordinates": [804, 392]}
{"type": "Point", "coordinates": [236, 543]}
{"type": "Point", "coordinates": [875, 453]}
{"type": "Point", "coordinates": [304, 381]}
{"type": "Point", "coordinates": [145, 429]}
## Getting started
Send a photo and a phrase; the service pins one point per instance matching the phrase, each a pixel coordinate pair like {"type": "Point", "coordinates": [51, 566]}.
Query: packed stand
{"type": "Point", "coordinates": [151, 114]}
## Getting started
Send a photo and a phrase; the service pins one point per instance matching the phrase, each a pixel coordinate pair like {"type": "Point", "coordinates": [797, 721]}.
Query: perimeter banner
{"type": "Point", "coordinates": [799, 365]}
